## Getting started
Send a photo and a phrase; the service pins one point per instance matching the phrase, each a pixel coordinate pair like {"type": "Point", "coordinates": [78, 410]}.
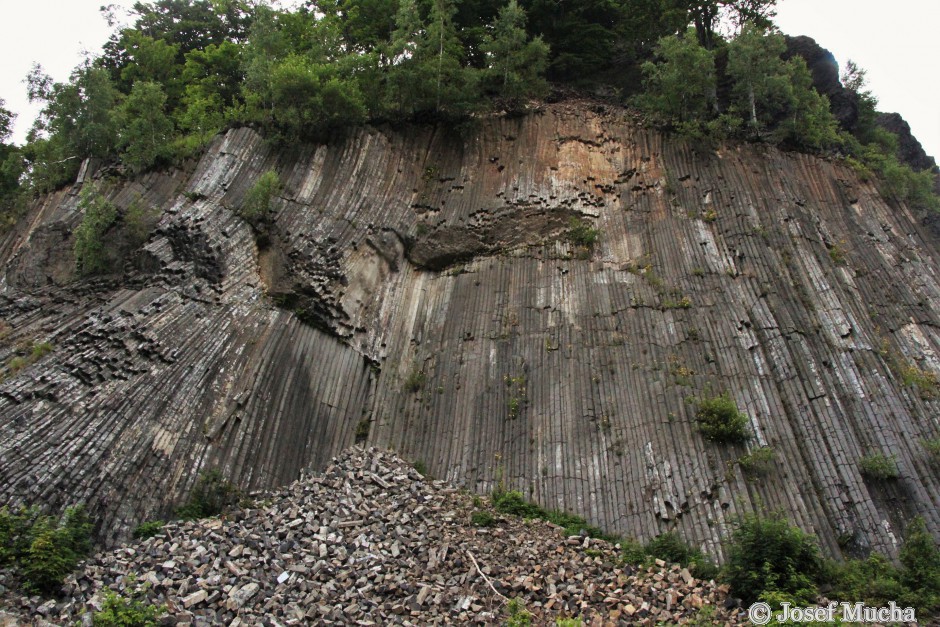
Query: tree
{"type": "Point", "coordinates": [761, 79]}
{"type": "Point", "coordinates": [808, 123]}
{"type": "Point", "coordinates": [515, 64]}
{"type": "Point", "coordinates": [442, 51]}
{"type": "Point", "coordinates": [706, 14]}
{"type": "Point", "coordinates": [855, 80]}
{"type": "Point", "coordinates": [680, 85]}
{"type": "Point", "coordinates": [146, 130]}
{"type": "Point", "coordinates": [75, 122]}
{"type": "Point", "coordinates": [11, 168]}
{"type": "Point", "coordinates": [777, 97]}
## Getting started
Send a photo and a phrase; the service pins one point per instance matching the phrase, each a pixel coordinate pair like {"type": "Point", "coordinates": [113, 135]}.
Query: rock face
{"type": "Point", "coordinates": [909, 149]}
{"type": "Point", "coordinates": [433, 302]}
{"type": "Point", "coordinates": [370, 542]}
{"type": "Point", "coordinates": [825, 70]}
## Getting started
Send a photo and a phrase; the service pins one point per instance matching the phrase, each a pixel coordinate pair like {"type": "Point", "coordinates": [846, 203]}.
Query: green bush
{"type": "Point", "coordinates": [920, 561]}
{"type": "Point", "coordinates": [42, 549]}
{"type": "Point", "coordinates": [99, 215]}
{"type": "Point", "coordinates": [482, 518]}
{"type": "Point", "coordinates": [518, 616]}
{"type": "Point", "coordinates": [760, 461]}
{"type": "Point", "coordinates": [880, 467]}
{"type": "Point", "coordinates": [117, 611]}
{"type": "Point", "coordinates": [149, 529]}
{"type": "Point", "coordinates": [256, 206]}
{"type": "Point", "coordinates": [876, 581]}
{"type": "Point", "coordinates": [933, 449]}
{"type": "Point", "coordinates": [767, 555]}
{"type": "Point", "coordinates": [720, 421]}
{"type": "Point", "coordinates": [671, 548]}
{"type": "Point", "coordinates": [514, 503]}
{"type": "Point", "coordinates": [211, 496]}
{"type": "Point", "coordinates": [582, 234]}
{"type": "Point", "coordinates": [415, 380]}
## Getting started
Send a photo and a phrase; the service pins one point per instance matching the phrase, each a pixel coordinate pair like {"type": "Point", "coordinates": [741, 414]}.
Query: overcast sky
{"type": "Point", "coordinates": [897, 42]}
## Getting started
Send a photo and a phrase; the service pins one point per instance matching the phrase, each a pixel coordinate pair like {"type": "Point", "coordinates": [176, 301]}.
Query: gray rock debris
{"type": "Point", "coordinates": [370, 541]}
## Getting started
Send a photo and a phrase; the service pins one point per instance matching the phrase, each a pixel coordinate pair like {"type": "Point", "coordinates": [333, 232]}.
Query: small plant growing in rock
{"type": "Point", "coordinates": [760, 461]}
{"type": "Point", "coordinates": [118, 611]}
{"type": "Point", "coordinates": [149, 529]}
{"type": "Point", "coordinates": [924, 381]}
{"type": "Point", "coordinates": [421, 467]}
{"type": "Point", "coordinates": [880, 467]}
{"type": "Point", "coordinates": [482, 518]}
{"type": "Point", "coordinates": [212, 495]}
{"type": "Point", "coordinates": [362, 430]}
{"type": "Point", "coordinates": [582, 234]}
{"type": "Point", "coordinates": [933, 449]}
{"type": "Point", "coordinates": [720, 421]}
{"type": "Point", "coordinates": [518, 615]}
{"type": "Point", "coordinates": [415, 380]}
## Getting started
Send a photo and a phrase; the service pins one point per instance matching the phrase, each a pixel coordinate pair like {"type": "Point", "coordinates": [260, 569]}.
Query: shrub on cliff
{"type": "Point", "coordinates": [99, 215]}
{"type": "Point", "coordinates": [720, 421]}
{"type": "Point", "coordinates": [257, 203]}
{"type": "Point", "coordinates": [212, 495]}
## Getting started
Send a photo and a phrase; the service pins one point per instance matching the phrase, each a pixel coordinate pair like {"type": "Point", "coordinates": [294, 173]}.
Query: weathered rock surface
{"type": "Point", "coordinates": [910, 150]}
{"type": "Point", "coordinates": [370, 542]}
{"type": "Point", "coordinates": [447, 316]}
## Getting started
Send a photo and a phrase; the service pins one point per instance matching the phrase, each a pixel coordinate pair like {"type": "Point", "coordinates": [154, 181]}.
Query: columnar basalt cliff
{"type": "Point", "coordinates": [418, 289]}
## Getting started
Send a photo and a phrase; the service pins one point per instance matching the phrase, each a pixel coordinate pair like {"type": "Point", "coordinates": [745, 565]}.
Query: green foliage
{"type": "Point", "coordinates": [149, 529]}
{"type": "Point", "coordinates": [211, 496]}
{"type": "Point", "coordinates": [421, 467]}
{"type": "Point", "coordinates": [759, 461]}
{"type": "Point", "coordinates": [43, 549]}
{"type": "Point", "coordinates": [415, 381]}
{"type": "Point", "coordinates": [767, 555]}
{"type": "Point", "coordinates": [680, 85]}
{"type": "Point", "coordinates": [880, 467]}
{"type": "Point", "coordinates": [568, 622]}
{"type": "Point", "coordinates": [582, 234]}
{"type": "Point", "coordinates": [145, 128]}
{"type": "Point", "coordinates": [720, 421]}
{"type": "Point", "coordinates": [920, 561]}
{"type": "Point", "coordinates": [482, 518]}
{"type": "Point", "coordinates": [137, 222]}
{"type": "Point", "coordinates": [518, 616]}
{"type": "Point", "coordinates": [118, 611]}
{"type": "Point", "coordinates": [256, 206]}
{"type": "Point", "coordinates": [515, 64]}
{"type": "Point", "coordinates": [98, 216]}
{"type": "Point", "coordinates": [876, 581]}
{"type": "Point", "coordinates": [933, 449]}
{"type": "Point", "coordinates": [513, 503]}
{"type": "Point", "coordinates": [671, 548]}
{"type": "Point", "coordinates": [26, 355]}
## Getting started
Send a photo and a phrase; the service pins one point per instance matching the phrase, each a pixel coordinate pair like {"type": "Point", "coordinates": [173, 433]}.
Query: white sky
{"type": "Point", "coordinates": [897, 43]}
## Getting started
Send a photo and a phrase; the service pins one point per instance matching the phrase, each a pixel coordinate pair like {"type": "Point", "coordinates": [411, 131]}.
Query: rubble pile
{"type": "Point", "coordinates": [371, 541]}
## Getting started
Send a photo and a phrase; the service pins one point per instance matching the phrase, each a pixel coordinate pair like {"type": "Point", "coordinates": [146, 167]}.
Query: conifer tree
{"type": "Point", "coordinates": [515, 64]}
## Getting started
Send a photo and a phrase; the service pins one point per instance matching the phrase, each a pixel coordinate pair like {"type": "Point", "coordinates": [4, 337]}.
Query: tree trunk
{"type": "Point", "coordinates": [753, 103]}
